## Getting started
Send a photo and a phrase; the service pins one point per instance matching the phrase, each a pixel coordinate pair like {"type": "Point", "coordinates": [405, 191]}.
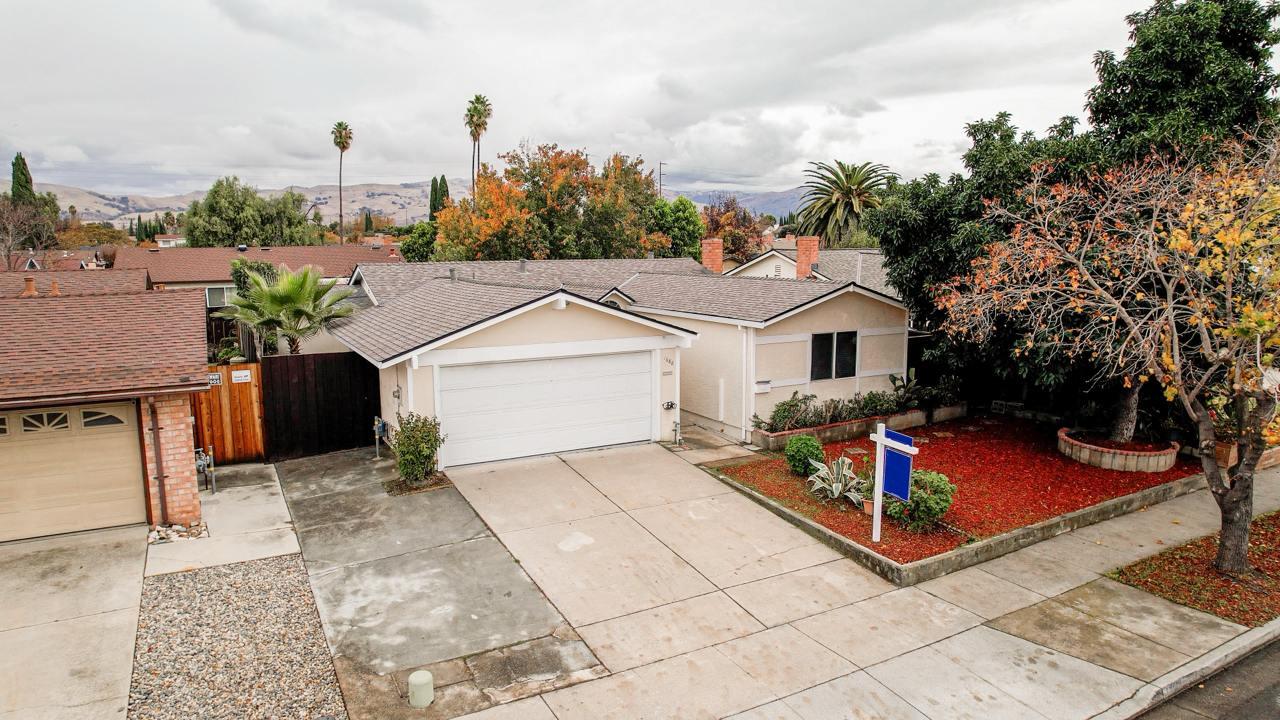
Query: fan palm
{"type": "Point", "coordinates": [342, 138]}
{"type": "Point", "coordinates": [836, 196]}
{"type": "Point", "coordinates": [298, 305]}
{"type": "Point", "coordinates": [477, 121]}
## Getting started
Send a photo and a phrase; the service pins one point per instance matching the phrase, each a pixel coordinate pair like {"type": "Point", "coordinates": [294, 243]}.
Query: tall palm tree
{"type": "Point", "coordinates": [342, 140]}
{"type": "Point", "coordinates": [298, 305]}
{"type": "Point", "coordinates": [477, 121]}
{"type": "Point", "coordinates": [836, 196]}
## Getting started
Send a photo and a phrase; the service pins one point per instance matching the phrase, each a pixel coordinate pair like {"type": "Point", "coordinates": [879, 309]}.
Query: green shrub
{"type": "Point", "coordinates": [416, 442]}
{"type": "Point", "coordinates": [930, 498]}
{"type": "Point", "coordinates": [800, 450]}
{"type": "Point", "coordinates": [878, 403]}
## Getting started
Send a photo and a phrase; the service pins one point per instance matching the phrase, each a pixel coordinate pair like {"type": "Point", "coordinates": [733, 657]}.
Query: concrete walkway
{"type": "Point", "coordinates": [704, 605]}
{"type": "Point", "coordinates": [68, 616]}
{"type": "Point", "coordinates": [247, 520]}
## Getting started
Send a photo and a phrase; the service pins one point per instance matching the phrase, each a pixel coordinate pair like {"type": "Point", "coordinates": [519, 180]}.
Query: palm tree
{"type": "Point", "coordinates": [836, 197]}
{"type": "Point", "coordinates": [477, 121]}
{"type": "Point", "coordinates": [298, 305]}
{"type": "Point", "coordinates": [342, 140]}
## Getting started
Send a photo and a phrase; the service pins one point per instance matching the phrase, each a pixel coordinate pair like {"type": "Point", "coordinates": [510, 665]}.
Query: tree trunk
{"type": "Point", "coordinates": [295, 345]}
{"type": "Point", "coordinates": [1233, 544]}
{"type": "Point", "coordinates": [341, 239]}
{"type": "Point", "coordinates": [1232, 488]}
{"type": "Point", "coordinates": [1126, 415]}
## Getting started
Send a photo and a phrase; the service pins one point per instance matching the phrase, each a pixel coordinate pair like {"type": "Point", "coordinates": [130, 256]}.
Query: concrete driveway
{"type": "Point", "coordinates": [68, 617]}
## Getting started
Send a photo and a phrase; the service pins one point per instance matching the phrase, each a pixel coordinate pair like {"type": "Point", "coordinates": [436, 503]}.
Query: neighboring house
{"type": "Point", "coordinates": [761, 339]}
{"type": "Point", "coordinates": [530, 357]}
{"type": "Point", "coordinates": [169, 240]}
{"type": "Point", "coordinates": [90, 386]}
{"type": "Point", "coordinates": [71, 282]}
{"type": "Point", "coordinates": [210, 270]}
{"type": "Point", "coordinates": [519, 358]}
{"type": "Point", "coordinates": [55, 259]}
{"type": "Point", "coordinates": [801, 260]}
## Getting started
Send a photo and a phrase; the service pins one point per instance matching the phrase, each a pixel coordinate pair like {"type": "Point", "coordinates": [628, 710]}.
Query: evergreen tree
{"type": "Point", "coordinates": [435, 198]}
{"type": "Point", "coordinates": [23, 191]}
{"type": "Point", "coordinates": [444, 193]}
{"type": "Point", "coordinates": [131, 230]}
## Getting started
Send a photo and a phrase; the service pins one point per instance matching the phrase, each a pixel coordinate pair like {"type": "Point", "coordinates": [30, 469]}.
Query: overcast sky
{"type": "Point", "coordinates": [162, 96]}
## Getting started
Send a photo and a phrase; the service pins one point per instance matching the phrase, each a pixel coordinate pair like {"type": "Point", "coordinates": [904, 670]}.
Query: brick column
{"type": "Point", "coordinates": [713, 254]}
{"type": "Point", "coordinates": [177, 452]}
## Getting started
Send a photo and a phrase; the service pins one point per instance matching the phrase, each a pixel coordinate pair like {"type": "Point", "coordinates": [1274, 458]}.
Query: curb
{"type": "Point", "coordinates": [1175, 681]}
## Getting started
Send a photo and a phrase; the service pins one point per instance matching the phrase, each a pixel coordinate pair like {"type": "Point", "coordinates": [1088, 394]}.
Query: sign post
{"type": "Point", "coordinates": [893, 471]}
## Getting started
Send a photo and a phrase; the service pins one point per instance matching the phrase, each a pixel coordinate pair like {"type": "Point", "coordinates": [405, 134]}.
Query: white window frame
{"type": "Point", "coordinates": [228, 292]}
{"type": "Point", "coordinates": [834, 354]}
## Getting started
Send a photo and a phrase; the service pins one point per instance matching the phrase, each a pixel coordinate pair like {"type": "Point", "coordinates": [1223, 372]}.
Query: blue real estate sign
{"type": "Point", "coordinates": [897, 467]}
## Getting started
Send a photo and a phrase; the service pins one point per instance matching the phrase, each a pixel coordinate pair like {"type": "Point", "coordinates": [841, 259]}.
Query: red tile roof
{"type": "Point", "coordinates": [75, 282]}
{"type": "Point", "coordinates": [213, 265]}
{"type": "Point", "coordinates": [68, 349]}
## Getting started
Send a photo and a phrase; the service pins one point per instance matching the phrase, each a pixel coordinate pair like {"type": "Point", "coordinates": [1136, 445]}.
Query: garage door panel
{"type": "Point", "coordinates": [545, 393]}
{"type": "Point", "coordinates": [504, 410]}
{"type": "Point", "coordinates": [83, 477]}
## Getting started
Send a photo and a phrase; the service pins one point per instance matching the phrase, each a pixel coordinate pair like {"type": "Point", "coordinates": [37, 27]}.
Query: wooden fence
{"type": "Point", "coordinates": [318, 403]}
{"type": "Point", "coordinates": [229, 415]}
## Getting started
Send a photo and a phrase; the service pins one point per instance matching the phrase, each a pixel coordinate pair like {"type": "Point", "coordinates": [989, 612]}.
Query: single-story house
{"type": "Point", "coordinates": [169, 240]}
{"type": "Point", "coordinates": [210, 270]}
{"type": "Point", "coordinates": [530, 357]}
{"type": "Point", "coordinates": [54, 259]}
{"type": "Point", "coordinates": [95, 405]}
{"type": "Point", "coordinates": [761, 339]}
{"type": "Point", "coordinates": [801, 260]}
{"type": "Point", "coordinates": [71, 282]}
{"type": "Point", "coordinates": [519, 358]}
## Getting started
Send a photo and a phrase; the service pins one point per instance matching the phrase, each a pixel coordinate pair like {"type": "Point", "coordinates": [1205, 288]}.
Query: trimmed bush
{"type": "Point", "coordinates": [879, 403]}
{"type": "Point", "coordinates": [800, 450]}
{"type": "Point", "coordinates": [930, 499]}
{"type": "Point", "coordinates": [416, 442]}
{"type": "Point", "coordinates": [806, 411]}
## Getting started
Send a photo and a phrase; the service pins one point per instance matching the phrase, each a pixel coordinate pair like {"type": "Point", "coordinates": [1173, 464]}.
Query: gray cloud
{"type": "Point", "coordinates": [726, 92]}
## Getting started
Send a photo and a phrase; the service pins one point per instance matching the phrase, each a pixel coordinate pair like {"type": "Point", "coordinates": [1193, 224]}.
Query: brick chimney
{"type": "Point", "coordinates": [806, 255]}
{"type": "Point", "coordinates": [713, 254]}
{"type": "Point", "coordinates": [28, 287]}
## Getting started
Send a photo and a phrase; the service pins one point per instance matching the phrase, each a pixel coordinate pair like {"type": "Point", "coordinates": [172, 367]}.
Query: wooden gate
{"type": "Point", "coordinates": [318, 403]}
{"type": "Point", "coordinates": [229, 414]}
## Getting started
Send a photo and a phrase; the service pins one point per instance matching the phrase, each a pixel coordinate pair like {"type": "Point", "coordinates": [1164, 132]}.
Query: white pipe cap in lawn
{"type": "Point", "coordinates": [421, 688]}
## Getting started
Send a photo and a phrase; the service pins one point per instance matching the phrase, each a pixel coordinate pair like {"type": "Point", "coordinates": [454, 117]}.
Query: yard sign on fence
{"type": "Point", "coordinates": [893, 471]}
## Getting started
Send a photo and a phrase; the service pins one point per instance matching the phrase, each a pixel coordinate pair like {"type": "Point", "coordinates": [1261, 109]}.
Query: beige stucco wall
{"type": "Point", "coordinates": [712, 365]}
{"type": "Point", "coordinates": [669, 391]}
{"type": "Point", "coordinates": [323, 343]}
{"type": "Point", "coordinates": [851, 311]}
{"type": "Point", "coordinates": [547, 325]}
{"type": "Point", "coordinates": [769, 267]}
{"type": "Point", "coordinates": [389, 379]}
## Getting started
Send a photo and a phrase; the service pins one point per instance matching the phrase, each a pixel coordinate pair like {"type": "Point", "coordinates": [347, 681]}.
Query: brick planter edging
{"type": "Point", "coordinates": [1113, 459]}
{"type": "Point", "coordinates": [903, 574]}
{"type": "Point", "coordinates": [849, 429]}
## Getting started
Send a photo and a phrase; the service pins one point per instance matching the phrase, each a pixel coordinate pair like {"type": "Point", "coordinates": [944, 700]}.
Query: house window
{"type": "Point", "coordinates": [4, 425]}
{"type": "Point", "coordinates": [97, 419]}
{"type": "Point", "coordinates": [833, 355]}
{"type": "Point", "coordinates": [216, 297]}
{"type": "Point", "coordinates": [45, 422]}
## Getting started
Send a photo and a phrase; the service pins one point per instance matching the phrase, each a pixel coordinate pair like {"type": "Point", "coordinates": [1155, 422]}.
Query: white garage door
{"type": "Point", "coordinates": [514, 409]}
{"type": "Point", "coordinates": [69, 468]}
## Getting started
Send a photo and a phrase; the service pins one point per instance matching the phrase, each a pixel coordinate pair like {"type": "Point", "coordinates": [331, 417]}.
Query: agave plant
{"type": "Point", "coordinates": [835, 480]}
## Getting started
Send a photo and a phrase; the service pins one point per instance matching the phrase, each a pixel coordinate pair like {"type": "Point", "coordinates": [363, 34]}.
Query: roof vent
{"type": "Point", "coordinates": [813, 268]}
{"type": "Point", "coordinates": [242, 248]}
{"type": "Point", "coordinates": [154, 249]}
{"type": "Point", "coordinates": [524, 265]}
{"type": "Point", "coordinates": [453, 273]}
{"type": "Point", "coordinates": [28, 287]}
{"type": "Point", "coordinates": [53, 289]}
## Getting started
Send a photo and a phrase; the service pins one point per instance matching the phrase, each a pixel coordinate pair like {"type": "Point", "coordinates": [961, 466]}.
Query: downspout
{"type": "Point", "coordinates": [155, 450]}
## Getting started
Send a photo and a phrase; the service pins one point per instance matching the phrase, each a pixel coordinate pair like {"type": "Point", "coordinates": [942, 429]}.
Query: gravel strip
{"type": "Point", "coordinates": [234, 641]}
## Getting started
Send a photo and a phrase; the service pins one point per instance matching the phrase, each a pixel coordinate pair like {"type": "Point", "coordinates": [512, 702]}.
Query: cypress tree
{"type": "Point", "coordinates": [435, 198]}
{"type": "Point", "coordinates": [444, 192]}
{"type": "Point", "coordinates": [23, 190]}
{"type": "Point", "coordinates": [368, 221]}
{"type": "Point", "coordinates": [131, 230]}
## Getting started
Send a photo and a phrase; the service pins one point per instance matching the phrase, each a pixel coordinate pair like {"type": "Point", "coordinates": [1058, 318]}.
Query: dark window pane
{"type": "Point", "coordinates": [820, 362]}
{"type": "Point", "coordinates": [846, 354]}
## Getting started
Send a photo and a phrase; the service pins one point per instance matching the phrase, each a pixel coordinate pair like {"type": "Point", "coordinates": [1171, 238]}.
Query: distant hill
{"type": "Point", "coordinates": [776, 203]}
{"type": "Point", "coordinates": [405, 202]}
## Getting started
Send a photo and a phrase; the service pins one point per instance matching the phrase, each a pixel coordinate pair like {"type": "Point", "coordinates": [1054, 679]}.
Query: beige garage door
{"type": "Point", "coordinates": [69, 468]}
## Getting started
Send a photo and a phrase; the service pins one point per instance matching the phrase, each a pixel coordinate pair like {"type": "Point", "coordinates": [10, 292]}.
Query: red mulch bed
{"type": "Point", "coordinates": [1133, 446]}
{"type": "Point", "coordinates": [1008, 474]}
{"type": "Point", "coordinates": [1185, 575]}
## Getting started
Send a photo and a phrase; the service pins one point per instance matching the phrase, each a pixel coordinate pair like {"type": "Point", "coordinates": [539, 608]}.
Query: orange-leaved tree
{"type": "Point", "coordinates": [1159, 271]}
{"type": "Point", "coordinates": [491, 225]}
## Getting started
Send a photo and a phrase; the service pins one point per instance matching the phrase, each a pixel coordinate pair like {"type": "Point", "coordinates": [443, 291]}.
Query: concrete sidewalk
{"type": "Point", "coordinates": [702, 606]}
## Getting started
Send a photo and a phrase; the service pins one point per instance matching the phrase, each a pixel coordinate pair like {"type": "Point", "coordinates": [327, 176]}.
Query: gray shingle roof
{"type": "Point", "coordinates": [591, 278]}
{"type": "Point", "coordinates": [435, 308]}
{"type": "Point", "coordinates": [740, 298]}
{"type": "Point", "coordinates": [862, 266]}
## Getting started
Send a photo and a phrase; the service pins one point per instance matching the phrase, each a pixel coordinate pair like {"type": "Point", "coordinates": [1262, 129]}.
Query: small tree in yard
{"type": "Point", "coordinates": [1157, 271]}
{"type": "Point", "coordinates": [295, 305]}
